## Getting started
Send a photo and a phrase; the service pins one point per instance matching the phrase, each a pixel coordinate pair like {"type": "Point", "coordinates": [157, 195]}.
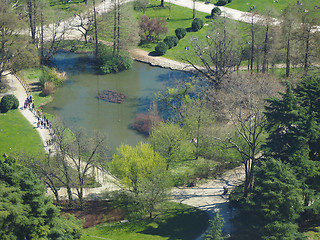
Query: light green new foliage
{"type": "Point", "coordinates": [131, 164]}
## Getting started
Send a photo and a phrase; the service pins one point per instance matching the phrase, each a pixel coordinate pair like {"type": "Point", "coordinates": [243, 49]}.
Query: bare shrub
{"type": "Point", "coordinates": [48, 88]}
{"type": "Point", "coordinates": [144, 122]}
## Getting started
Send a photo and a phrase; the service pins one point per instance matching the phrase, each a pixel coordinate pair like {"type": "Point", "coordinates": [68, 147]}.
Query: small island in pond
{"type": "Point", "coordinates": [112, 96]}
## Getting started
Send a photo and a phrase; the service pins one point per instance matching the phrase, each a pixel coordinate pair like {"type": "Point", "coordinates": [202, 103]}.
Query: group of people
{"type": "Point", "coordinates": [29, 103]}
{"type": "Point", "coordinates": [43, 121]}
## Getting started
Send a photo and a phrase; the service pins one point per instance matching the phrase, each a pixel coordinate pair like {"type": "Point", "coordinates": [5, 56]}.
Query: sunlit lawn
{"type": "Point", "coordinates": [261, 5]}
{"type": "Point", "coordinates": [177, 222]}
{"type": "Point", "coordinates": [17, 134]}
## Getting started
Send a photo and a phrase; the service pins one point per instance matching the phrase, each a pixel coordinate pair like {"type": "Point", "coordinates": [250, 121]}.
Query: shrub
{"type": "Point", "coordinates": [180, 33]}
{"type": "Point", "coordinates": [197, 24]}
{"type": "Point", "coordinates": [113, 64]}
{"type": "Point", "coordinates": [49, 75]}
{"type": "Point", "coordinates": [215, 12]}
{"type": "Point", "coordinates": [222, 2]}
{"type": "Point", "coordinates": [151, 29]}
{"type": "Point", "coordinates": [48, 88]}
{"type": "Point", "coordinates": [145, 122]}
{"type": "Point", "coordinates": [171, 41]}
{"type": "Point", "coordinates": [8, 102]}
{"type": "Point", "coordinates": [161, 48]}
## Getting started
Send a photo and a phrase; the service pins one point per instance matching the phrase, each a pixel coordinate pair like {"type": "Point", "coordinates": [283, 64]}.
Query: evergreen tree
{"type": "Point", "coordinates": [275, 203]}
{"type": "Point", "coordinates": [25, 211]}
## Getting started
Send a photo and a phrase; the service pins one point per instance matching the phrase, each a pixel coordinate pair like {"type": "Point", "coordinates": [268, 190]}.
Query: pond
{"type": "Point", "coordinates": [77, 106]}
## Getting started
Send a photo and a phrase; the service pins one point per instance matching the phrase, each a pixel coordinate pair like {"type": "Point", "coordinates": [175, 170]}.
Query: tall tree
{"type": "Point", "coordinates": [240, 100]}
{"type": "Point", "coordinates": [219, 54]}
{"type": "Point", "coordinates": [25, 211]}
{"type": "Point", "coordinates": [15, 51]}
{"type": "Point", "coordinates": [272, 210]}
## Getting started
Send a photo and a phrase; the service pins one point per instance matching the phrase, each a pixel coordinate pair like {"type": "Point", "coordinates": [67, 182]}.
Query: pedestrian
{"type": "Point", "coordinates": [38, 124]}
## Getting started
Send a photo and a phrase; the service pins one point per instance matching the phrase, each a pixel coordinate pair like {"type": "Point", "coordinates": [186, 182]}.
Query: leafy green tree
{"type": "Point", "coordinates": [143, 172]}
{"type": "Point", "coordinates": [170, 141]}
{"type": "Point", "coordinates": [132, 164]}
{"type": "Point", "coordinates": [25, 211]}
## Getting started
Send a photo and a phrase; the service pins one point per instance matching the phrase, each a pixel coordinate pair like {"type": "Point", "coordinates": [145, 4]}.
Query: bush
{"type": "Point", "coordinates": [180, 33]}
{"type": "Point", "coordinates": [222, 2]}
{"type": "Point", "coordinates": [8, 102]}
{"type": "Point", "coordinates": [215, 12]}
{"type": "Point", "coordinates": [48, 88]}
{"type": "Point", "coordinates": [171, 41]}
{"type": "Point", "coordinates": [49, 75]}
{"type": "Point", "coordinates": [161, 48]}
{"type": "Point", "coordinates": [197, 24]}
{"type": "Point", "coordinates": [113, 64]}
{"type": "Point", "coordinates": [144, 123]}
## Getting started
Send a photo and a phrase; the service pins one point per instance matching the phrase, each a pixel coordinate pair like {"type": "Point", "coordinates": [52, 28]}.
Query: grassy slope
{"type": "Point", "coordinates": [17, 134]}
{"type": "Point", "coordinates": [180, 17]}
{"type": "Point", "coordinates": [178, 222]}
{"type": "Point", "coordinates": [260, 5]}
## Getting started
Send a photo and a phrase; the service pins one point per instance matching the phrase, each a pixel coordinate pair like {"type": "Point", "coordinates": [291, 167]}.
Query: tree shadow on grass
{"type": "Point", "coordinates": [186, 224]}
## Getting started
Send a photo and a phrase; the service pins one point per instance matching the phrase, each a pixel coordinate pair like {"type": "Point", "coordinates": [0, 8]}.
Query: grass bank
{"type": "Point", "coordinates": [17, 134]}
{"type": "Point", "coordinates": [177, 221]}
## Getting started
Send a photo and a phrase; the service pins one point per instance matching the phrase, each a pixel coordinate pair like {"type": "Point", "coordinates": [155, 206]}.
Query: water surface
{"type": "Point", "coordinates": [77, 106]}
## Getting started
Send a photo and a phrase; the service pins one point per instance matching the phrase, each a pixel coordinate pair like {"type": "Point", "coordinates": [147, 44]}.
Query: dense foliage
{"type": "Point", "coordinates": [113, 63]}
{"type": "Point", "coordinates": [161, 48]}
{"type": "Point", "coordinates": [171, 41]}
{"type": "Point", "coordinates": [223, 2]}
{"type": "Point", "coordinates": [151, 29]}
{"type": "Point", "coordinates": [25, 211]}
{"type": "Point", "coordinates": [197, 24]}
{"type": "Point", "coordinates": [8, 102]}
{"type": "Point", "coordinates": [49, 75]}
{"type": "Point", "coordinates": [180, 33]}
{"type": "Point", "coordinates": [215, 12]}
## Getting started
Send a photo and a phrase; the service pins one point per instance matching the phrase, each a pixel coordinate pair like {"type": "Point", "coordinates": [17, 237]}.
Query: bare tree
{"type": "Point", "coordinates": [240, 100]}
{"type": "Point", "coordinates": [86, 24]}
{"type": "Point", "coordinates": [219, 54]}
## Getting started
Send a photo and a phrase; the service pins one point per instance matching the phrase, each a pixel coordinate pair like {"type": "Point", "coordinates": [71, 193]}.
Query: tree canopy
{"type": "Point", "coordinates": [25, 211]}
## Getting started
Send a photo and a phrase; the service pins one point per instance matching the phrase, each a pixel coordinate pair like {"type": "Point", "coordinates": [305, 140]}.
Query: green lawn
{"type": "Point", "coordinates": [178, 222]}
{"type": "Point", "coordinates": [261, 5]}
{"type": "Point", "coordinates": [17, 134]}
{"type": "Point", "coordinates": [181, 17]}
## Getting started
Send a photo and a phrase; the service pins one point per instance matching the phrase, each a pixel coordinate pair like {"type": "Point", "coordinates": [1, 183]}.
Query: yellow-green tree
{"type": "Point", "coordinates": [132, 164]}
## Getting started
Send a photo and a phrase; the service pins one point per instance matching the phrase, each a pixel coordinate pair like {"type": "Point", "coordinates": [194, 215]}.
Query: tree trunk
{"type": "Point", "coordinates": [118, 30]}
{"type": "Point", "coordinates": [252, 46]}
{"type": "Point", "coordinates": [306, 56]}
{"type": "Point", "coordinates": [265, 50]}
{"type": "Point", "coordinates": [194, 10]}
{"type": "Point", "coordinates": [95, 27]}
{"type": "Point", "coordinates": [115, 29]}
{"type": "Point", "coordinates": [162, 3]}
{"type": "Point", "coordinates": [41, 40]}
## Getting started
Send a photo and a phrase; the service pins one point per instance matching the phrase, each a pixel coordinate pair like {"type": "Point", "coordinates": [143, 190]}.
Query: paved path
{"type": "Point", "coordinates": [209, 196]}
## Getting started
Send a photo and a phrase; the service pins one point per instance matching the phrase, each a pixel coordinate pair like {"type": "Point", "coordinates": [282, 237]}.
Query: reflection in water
{"type": "Point", "coordinates": [77, 105]}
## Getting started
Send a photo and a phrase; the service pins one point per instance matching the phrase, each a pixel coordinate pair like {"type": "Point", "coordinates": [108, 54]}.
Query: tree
{"type": "Point", "coordinates": [86, 24]}
{"type": "Point", "coordinates": [215, 229]}
{"type": "Point", "coordinates": [143, 172]}
{"type": "Point", "coordinates": [293, 125]}
{"type": "Point", "coordinates": [15, 51]}
{"type": "Point", "coordinates": [274, 206]}
{"type": "Point", "coordinates": [240, 100]}
{"type": "Point", "coordinates": [153, 189]}
{"type": "Point", "coordinates": [219, 54]}
{"type": "Point", "coordinates": [81, 153]}
{"type": "Point", "coordinates": [131, 164]}
{"type": "Point", "coordinates": [151, 29]}
{"type": "Point", "coordinates": [168, 140]}
{"type": "Point", "coordinates": [287, 32]}
{"type": "Point", "coordinates": [308, 37]}
{"type": "Point", "coordinates": [25, 211]}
